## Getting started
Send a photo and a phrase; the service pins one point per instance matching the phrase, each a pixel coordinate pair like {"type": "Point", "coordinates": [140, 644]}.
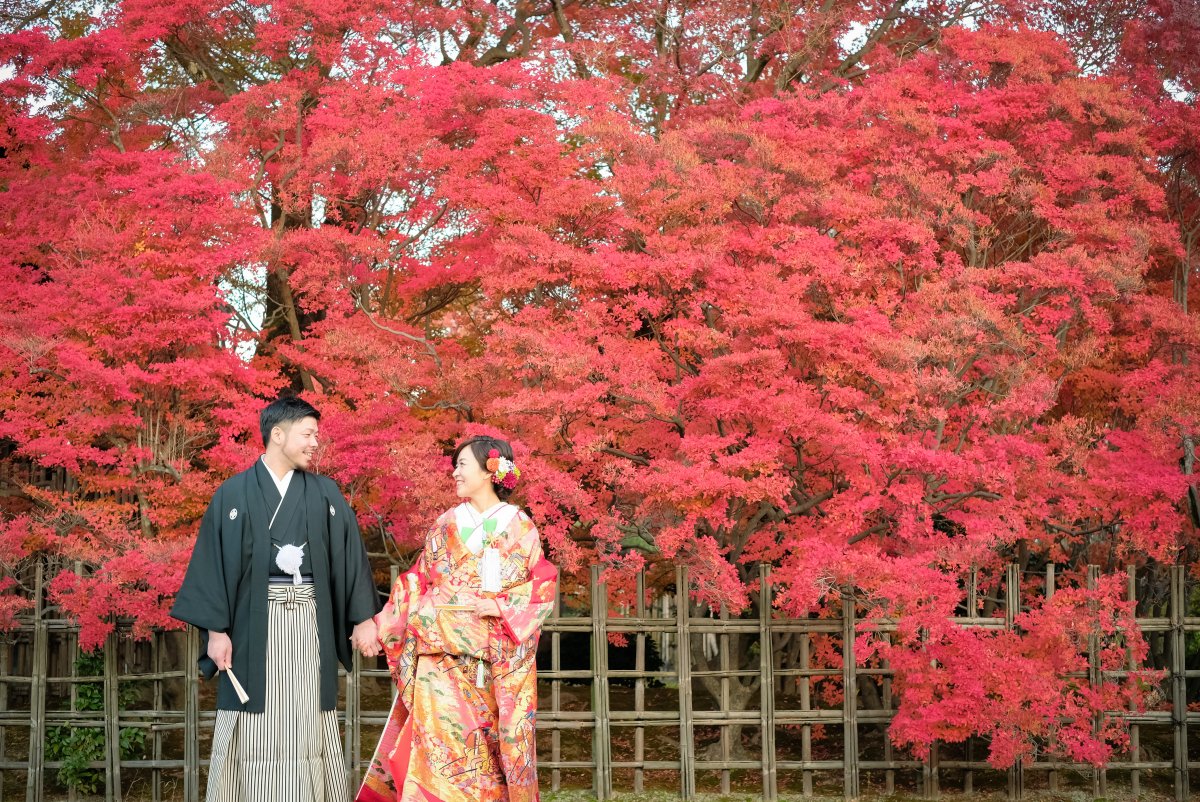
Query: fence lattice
{"type": "Point", "coordinates": [39, 689]}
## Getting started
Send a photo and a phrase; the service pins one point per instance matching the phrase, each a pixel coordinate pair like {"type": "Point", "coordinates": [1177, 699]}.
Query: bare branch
{"type": "Point", "coordinates": [429, 349]}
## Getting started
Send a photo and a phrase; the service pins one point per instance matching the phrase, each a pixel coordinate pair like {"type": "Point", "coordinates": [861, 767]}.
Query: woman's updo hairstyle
{"type": "Point", "coordinates": [480, 445]}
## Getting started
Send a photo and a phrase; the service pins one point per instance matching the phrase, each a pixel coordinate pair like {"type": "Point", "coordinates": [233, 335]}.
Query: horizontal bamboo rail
{"type": "Point", "coordinates": [174, 709]}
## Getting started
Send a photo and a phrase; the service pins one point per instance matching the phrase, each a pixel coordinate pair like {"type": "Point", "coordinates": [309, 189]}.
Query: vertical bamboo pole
{"type": "Point", "coordinates": [683, 668]}
{"type": "Point", "coordinates": [766, 682]}
{"type": "Point", "coordinates": [1012, 596]}
{"type": "Point", "coordinates": [602, 741]}
{"type": "Point", "coordinates": [930, 787]}
{"type": "Point", "coordinates": [37, 694]}
{"type": "Point", "coordinates": [37, 710]}
{"type": "Point", "coordinates": [112, 721]}
{"type": "Point", "coordinates": [889, 752]}
{"type": "Point", "coordinates": [1135, 736]}
{"type": "Point", "coordinates": [969, 775]}
{"type": "Point", "coordinates": [156, 652]}
{"type": "Point", "coordinates": [191, 717]}
{"type": "Point", "coordinates": [850, 771]}
{"type": "Point", "coordinates": [972, 615]}
{"type": "Point", "coordinates": [353, 739]}
{"type": "Point", "coordinates": [1095, 680]}
{"type": "Point", "coordinates": [1016, 781]}
{"type": "Point", "coordinates": [1052, 775]}
{"type": "Point", "coordinates": [806, 706]}
{"type": "Point", "coordinates": [926, 779]}
{"type": "Point", "coordinates": [973, 593]}
{"type": "Point", "coordinates": [664, 642]}
{"type": "Point", "coordinates": [639, 690]}
{"type": "Point", "coordinates": [76, 653]}
{"type": "Point", "coordinates": [556, 693]}
{"type": "Point", "coordinates": [723, 641]}
{"type": "Point", "coordinates": [73, 693]}
{"type": "Point", "coordinates": [1012, 608]}
{"type": "Point", "coordinates": [5, 671]}
{"type": "Point", "coordinates": [1179, 681]}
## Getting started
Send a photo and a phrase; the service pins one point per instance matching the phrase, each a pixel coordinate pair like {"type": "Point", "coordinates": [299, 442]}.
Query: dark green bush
{"type": "Point", "coordinates": [77, 747]}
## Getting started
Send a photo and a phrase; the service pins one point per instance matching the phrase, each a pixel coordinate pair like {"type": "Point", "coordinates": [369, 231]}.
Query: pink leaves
{"type": "Point", "coordinates": [1024, 690]}
{"type": "Point", "coordinates": [725, 312]}
{"type": "Point", "coordinates": [139, 585]}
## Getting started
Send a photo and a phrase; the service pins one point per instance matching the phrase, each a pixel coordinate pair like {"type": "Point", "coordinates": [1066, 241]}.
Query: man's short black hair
{"type": "Point", "coordinates": [288, 409]}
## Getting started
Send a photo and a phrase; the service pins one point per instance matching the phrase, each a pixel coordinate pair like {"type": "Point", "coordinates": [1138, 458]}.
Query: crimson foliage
{"type": "Point", "coordinates": [878, 295]}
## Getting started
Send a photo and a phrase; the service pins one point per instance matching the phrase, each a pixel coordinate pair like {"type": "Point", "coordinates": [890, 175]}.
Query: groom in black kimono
{"type": "Point", "coordinates": [280, 587]}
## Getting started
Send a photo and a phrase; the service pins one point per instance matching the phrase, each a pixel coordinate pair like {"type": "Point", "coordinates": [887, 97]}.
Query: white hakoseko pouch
{"type": "Point", "coordinates": [489, 570]}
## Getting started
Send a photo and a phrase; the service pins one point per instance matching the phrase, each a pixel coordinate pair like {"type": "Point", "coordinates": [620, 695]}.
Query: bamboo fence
{"type": "Point", "coordinates": [38, 692]}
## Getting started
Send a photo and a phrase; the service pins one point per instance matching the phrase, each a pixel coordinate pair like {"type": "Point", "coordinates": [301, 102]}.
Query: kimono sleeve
{"type": "Point", "coordinates": [203, 599]}
{"type": "Point", "coordinates": [361, 597]}
{"type": "Point", "coordinates": [398, 641]}
{"type": "Point", "coordinates": [392, 620]}
{"type": "Point", "coordinates": [524, 607]}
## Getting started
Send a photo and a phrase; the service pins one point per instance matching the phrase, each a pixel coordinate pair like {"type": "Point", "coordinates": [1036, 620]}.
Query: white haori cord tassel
{"type": "Point", "coordinates": [479, 674]}
{"type": "Point", "coordinates": [289, 559]}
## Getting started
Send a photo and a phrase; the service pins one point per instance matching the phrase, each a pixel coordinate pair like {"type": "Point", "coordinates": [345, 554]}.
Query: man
{"type": "Point", "coordinates": [280, 587]}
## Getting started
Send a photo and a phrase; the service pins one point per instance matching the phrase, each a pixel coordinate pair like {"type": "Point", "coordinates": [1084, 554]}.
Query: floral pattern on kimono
{"type": "Point", "coordinates": [448, 739]}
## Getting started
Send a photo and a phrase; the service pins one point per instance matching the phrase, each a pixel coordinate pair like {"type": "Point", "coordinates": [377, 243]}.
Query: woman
{"type": "Point", "coordinates": [460, 633]}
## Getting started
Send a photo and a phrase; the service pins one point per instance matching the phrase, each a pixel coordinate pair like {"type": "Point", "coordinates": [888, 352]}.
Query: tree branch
{"type": "Point", "coordinates": [429, 349]}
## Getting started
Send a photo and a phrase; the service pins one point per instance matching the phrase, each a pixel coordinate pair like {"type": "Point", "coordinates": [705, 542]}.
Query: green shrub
{"type": "Point", "coordinates": [77, 747]}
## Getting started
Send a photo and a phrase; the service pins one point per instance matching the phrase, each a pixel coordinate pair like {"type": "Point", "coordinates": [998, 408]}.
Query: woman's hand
{"type": "Point", "coordinates": [365, 638]}
{"type": "Point", "coordinates": [487, 608]}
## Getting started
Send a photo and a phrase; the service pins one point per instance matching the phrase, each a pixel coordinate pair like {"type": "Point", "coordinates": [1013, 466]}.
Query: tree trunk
{"type": "Point", "coordinates": [740, 691]}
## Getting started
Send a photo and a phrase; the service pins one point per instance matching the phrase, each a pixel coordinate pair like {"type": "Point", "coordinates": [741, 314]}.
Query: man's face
{"type": "Point", "coordinates": [296, 441]}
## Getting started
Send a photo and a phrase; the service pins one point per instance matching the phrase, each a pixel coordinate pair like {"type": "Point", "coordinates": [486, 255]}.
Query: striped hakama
{"type": "Point", "coordinates": [292, 751]}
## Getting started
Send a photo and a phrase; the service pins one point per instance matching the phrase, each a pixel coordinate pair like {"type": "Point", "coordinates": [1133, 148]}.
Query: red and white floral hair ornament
{"type": "Point", "coordinates": [504, 471]}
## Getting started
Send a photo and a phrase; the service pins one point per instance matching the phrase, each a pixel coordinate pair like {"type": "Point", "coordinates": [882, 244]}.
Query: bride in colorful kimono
{"type": "Point", "coordinates": [460, 633]}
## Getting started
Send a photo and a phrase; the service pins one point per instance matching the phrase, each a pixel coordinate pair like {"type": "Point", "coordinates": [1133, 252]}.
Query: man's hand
{"type": "Point", "coordinates": [220, 650]}
{"type": "Point", "coordinates": [365, 638]}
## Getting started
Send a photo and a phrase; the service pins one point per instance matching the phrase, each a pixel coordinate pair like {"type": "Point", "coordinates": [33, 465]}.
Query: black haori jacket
{"type": "Point", "coordinates": [225, 588]}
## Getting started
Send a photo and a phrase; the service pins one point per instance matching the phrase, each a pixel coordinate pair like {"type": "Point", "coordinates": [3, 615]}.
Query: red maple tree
{"type": "Point", "coordinates": [880, 296]}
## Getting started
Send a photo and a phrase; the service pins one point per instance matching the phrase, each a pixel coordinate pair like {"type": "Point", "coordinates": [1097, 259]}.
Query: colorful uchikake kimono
{"type": "Point", "coordinates": [462, 725]}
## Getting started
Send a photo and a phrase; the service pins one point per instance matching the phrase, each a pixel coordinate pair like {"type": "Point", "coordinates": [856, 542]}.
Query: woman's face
{"type": "Point", "coordinates": [471, 480]}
